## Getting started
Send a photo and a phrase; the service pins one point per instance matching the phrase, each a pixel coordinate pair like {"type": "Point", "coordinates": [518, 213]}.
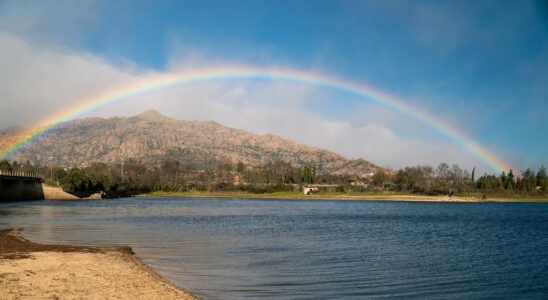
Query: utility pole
{"type": "Point", "coordinates": [50, 168]}
{"type": "Point", "coordinates": [122, 172]}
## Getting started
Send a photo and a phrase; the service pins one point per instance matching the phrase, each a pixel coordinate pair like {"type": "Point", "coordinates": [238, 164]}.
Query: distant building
{"type": "Point", "coordinates": [315, 188]}
{"type": "Point", "coordinates": [307, 190]}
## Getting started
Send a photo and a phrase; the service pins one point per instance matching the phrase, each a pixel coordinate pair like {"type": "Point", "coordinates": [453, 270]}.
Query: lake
{"type": "Point", "coordinates": [300, 249]}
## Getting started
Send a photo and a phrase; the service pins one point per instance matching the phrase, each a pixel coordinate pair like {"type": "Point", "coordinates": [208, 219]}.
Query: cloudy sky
{"type": "Point", "coordinates": [481, 67]}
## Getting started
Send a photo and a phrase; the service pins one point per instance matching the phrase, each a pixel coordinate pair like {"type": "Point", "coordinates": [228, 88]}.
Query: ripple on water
{"type": "Point", "coordinates": [233, 249]}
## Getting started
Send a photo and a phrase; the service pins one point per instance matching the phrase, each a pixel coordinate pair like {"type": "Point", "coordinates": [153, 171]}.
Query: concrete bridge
{"type": "Point", "coordinates": [16, 185]}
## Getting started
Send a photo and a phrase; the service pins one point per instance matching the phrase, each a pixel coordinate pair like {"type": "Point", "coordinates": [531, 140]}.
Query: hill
{"type": "Point", "coordinates": [151, 137]}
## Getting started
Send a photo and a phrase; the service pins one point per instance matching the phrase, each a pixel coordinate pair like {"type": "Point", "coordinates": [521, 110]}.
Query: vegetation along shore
{"type": "Point", "coordinates": [282, 180]}
{"type": "Point", "coordinates": [382, 196]}
{"type": "Point", "coordinates": [38, 271]}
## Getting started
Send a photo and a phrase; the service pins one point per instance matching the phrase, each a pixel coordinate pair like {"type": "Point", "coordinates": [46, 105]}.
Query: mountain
{"type": "Point", "coordinates": [151, 137]}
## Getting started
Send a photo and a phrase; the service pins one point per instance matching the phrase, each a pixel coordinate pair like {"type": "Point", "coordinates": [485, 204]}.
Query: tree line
{"type": "Point", "coordinates": [115, 180]}
{"type": "Point", "coordinates": [449, 180]}
{"type": "Point", "coordinates": [133, 177]}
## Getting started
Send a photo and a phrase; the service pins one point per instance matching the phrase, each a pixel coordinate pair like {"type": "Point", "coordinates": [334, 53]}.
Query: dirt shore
{"type": "Point", "coordinates": [362, 197]}
{"type": "Point", "coordinates": [37, 271]}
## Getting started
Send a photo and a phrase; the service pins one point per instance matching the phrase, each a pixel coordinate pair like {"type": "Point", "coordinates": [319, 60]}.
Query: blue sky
{"type": "Point", "coordinates": [480, 65]}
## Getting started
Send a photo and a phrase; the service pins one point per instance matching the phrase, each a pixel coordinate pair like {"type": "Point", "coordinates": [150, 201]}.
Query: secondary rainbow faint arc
{"type": "Point", "coordinates": [243, 72]}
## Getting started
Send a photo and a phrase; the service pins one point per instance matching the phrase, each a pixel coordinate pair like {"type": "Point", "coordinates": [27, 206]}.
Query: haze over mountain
{"type": "Point", "coordinates": [151, 137]}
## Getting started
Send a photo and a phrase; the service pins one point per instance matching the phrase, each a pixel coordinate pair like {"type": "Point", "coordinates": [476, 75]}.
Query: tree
{"type": "Point", "coordinates": [28, 167]}
{"type": "Point", "coordinates": [5, 165]}
{"type": "Point", "coordinates": [240, 167]}
{"type": "Point", "coordinates": [308, 174]}
{"type": "Point", "coordinates": [459, 179]}
{"type": "Point", "coordinates": [542, 178]}
{"type": "Point", "coordinates": [504, 179]}
{"type": "Point", "coordinates": [488, 182]}
{"type": "Point", "coordinates": [416, 179]}
{"type": "Point", "coordinates": [15, 166]}
{"type": "Point", "coordinates": [77, 182]}
{"type": "Point", "coordinates": [510, 181]}
{"type": "Point", "coordinates": [378, 179]}
{"type": "Point", "coordinates": [473, 174]}
{"type": "Point", "coordinates": [444, 177]}
{"type": "Point", "coordinates": [442, 171]}
{"type": "Point", "coordinates": [529, 180]}
{"type": "Point", "coordinates": [58, 174]}
{"type": "Point", "coordinates": [170, 170]}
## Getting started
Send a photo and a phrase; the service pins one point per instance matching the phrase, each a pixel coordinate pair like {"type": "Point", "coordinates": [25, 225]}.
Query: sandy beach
{"type": "Point", "coordinates": [37, 271]}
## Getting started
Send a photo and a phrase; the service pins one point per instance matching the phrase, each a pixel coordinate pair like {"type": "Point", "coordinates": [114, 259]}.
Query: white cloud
{"type": "Point", "coordinates": [37, 82]}
{"type": "Point", "coordinates": [236, 92]}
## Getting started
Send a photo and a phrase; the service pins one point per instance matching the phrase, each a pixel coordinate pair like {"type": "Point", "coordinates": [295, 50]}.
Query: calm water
{"type": "Point", "coordinates": [233, 249]}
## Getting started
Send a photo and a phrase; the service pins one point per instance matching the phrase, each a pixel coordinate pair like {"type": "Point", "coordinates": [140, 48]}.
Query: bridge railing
{"type": "Point", "coordinates": [19, 174]}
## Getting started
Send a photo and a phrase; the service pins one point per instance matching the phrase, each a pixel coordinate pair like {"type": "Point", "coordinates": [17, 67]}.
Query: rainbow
{"type": "Point", "coordinates": [84, 106]}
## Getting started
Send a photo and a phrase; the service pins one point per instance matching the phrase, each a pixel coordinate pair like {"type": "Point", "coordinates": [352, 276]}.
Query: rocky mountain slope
{"type": "Point", "coordinates": [151, 137]}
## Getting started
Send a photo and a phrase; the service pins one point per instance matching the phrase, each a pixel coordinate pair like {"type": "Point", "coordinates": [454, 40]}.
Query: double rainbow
{"type": "Point", "coordinates": [84, 106]}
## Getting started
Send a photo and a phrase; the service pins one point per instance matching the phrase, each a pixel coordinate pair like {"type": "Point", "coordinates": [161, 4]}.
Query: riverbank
{"type": "Point", "coordinates": [38, 271]}
{"type": "Point", "coordinates": [388, 196]}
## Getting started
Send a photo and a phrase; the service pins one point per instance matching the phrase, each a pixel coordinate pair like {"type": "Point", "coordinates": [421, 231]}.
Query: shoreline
{"type": "Point", "coordinates": [346, 197]}
{"type": "Point", "coordinates": [32, 270]}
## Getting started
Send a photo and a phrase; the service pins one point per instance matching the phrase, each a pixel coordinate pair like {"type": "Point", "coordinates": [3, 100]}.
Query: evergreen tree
{"type": "Point", "coordinates": [473, 174]}
{"type": "Point", "coordinates": [520, 184]}
{"type": "Point", "coordinates": [542, 178]}
{"type": "Point", "coordinates": [15, 166]}
{"type": "Point", "coordinates": [510, 182]}
{"type": "Point", "coordinates": [308, 174]}
{"type": "Point", "coordinates": [488, 182]}
{"type": "Point", "coordinates": [504, 179]}
{"type": "Point", "coordinates": [28, 167]}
